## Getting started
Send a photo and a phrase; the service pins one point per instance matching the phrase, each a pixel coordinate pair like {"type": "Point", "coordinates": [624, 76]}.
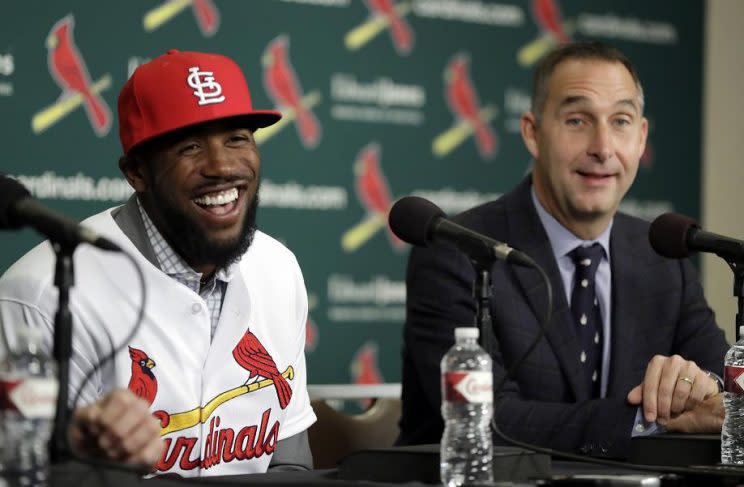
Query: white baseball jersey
{"type": "Point", "coordinates": [222, 405]}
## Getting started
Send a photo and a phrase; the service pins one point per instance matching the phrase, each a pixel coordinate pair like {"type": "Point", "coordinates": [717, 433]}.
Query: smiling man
{"type": "Point", "coordinates": [632, 340]}
{"type": "Point", "coordinates": [214, 381]}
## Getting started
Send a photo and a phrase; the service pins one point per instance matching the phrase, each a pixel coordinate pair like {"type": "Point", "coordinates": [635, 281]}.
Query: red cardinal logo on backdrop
{"type": "Point", "coordinates": [311, 335]}
{"type": "Point", "coordinates": [647, 158]}
{"type": "Point", "coordinates": [311, 328]}
{"type": "Point", "coordinates": [464, 104]}
{"type": "Point", "coordinates": [364, 369]}
{"type": "Point", "coordinates": [206, 14]}
{"type": "Point", "coordinates": [372, 187]}
{"type": "Point", "coordinates": [400, 31]}
{"type": "Point", "coordinates": [548, 17]}
{"type": "Point", "coordinates": [143, 382]}
{"type": "Point", "coordinates": [374, 194]}
{"type": "Point", "coordinates": [283, 86]}
{"type": "Point", "coordinates": [553, 31]}
{"type": "Point", "coordinates": [69, 71]}
{"type": "Point", "coordinates": [649, 154]}
{"type": "Point", "coordinates": [252, 356]}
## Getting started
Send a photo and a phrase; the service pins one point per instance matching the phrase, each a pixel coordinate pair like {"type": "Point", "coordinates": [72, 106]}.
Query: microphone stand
{"type": "Point", "coordinates": [64, 278]}
{"type": "Point", "coordinates": [482, 295]}
{"type": "Point", "coordinates": [738, 268]}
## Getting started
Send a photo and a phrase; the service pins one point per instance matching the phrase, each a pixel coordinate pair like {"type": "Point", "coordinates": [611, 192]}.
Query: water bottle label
{"type": "Point", "coordinates": [468, 386]}
{"type": "Point", "coordinates": [32, 397]}
{"type": "Point", "coordinates": [733, 379]}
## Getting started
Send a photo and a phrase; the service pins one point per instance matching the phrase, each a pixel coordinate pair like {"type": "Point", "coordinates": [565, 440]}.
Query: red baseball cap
{"type": "Point", "coordinates": [178, 89]}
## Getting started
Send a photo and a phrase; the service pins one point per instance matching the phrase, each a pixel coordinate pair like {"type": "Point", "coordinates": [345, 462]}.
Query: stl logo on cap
{"type": "Point", "coordinates": [205, 87]}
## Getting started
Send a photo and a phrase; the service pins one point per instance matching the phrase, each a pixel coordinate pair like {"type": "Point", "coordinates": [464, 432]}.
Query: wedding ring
{"type": "Point", "coordinates": [689, 380]}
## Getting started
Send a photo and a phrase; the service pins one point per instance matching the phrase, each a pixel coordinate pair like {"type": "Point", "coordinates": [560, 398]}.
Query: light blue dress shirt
{"type": "Point", "coordinates": [562, 241]}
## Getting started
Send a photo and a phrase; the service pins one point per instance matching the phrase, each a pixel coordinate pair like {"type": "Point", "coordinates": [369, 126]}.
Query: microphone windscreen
{"type": "Point", "coordinates": [411, 218]}
{"type": "Point", "coordinates": [668, 235]}
{"type": "Point", "coordinates": [11, 191]}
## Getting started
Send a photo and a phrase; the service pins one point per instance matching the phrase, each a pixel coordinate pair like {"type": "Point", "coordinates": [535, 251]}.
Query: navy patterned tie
{"type": "Point", "coordinates": [587, 317]}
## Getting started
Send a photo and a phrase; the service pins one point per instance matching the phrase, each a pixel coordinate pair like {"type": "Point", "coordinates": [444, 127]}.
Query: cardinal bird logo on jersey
{"type": "Point", "coordinates": [283, 86]}
{"type": "Point", "coordinates": [69, 71]}
{"type": "Point", "coordinates": [463, 102]}
{"type": "Point", "coordinates": [252, 356]}
{"type": "Point", "coordinates": [400, 31]}
{"type": "Point", "coordinates": [143, 382]}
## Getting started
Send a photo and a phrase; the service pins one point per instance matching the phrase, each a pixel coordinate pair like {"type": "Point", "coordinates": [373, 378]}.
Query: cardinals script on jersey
{"type": "Point", "coordinates": [220, 445]}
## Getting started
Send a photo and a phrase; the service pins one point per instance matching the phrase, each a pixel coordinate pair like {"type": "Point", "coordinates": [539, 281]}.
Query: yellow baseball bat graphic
{"type": "Point", "coordinates": [535, 49]}
{"type": "Point", "coordinates": [50, 115]}
{"type": "Point", "coordinates": [308, 101]}
{"type": "Point", "coordinates": [531, 52]}
{"type": "Point", "coordinates": [187, 419]}
{"type": "Point", "coordinates": [354, 237]}
{"type": "Point", "coordinates": [445, 142]}
{"type": "Point", "coordinates": [163, 13]}
{"type": "Point", "coordinates": [363, 33]}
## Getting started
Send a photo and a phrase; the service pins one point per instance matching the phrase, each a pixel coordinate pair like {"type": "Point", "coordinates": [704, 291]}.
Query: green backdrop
{"type": "Point", "coordinates": [375, 76]}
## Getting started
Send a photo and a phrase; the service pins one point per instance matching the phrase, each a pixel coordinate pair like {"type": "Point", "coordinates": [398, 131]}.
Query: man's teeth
{"type": "Point", "coordinates": [222, 198]}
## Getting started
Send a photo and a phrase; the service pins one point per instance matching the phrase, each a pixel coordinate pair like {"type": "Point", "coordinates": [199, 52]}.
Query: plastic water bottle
{"type": "Point", "coordinates": [467, 407]}
{"type": "Point", "coordinates": [28, 397]}
{"type": "Point", "coordinates": [732, 432]}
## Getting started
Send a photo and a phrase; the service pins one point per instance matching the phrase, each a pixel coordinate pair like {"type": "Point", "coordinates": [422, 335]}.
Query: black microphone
{"type": "Point", "coordinates": [18, 209]}
{"type": "Point", "coordinates": [677, 236]}
{"type": "Point", "coordinates": [418, 221]}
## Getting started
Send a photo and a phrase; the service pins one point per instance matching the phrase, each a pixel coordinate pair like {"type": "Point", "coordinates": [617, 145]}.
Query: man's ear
{"type": "Point", "coordinates": [528, 128]}
{"type": "Point", "coordinates": [132, 170]}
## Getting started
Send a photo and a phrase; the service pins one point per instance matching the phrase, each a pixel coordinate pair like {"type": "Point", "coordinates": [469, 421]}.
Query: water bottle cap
{"type": "Point", "coordinates": [29, 333]}
{"type": "Point", "coordinates": [466, 332]}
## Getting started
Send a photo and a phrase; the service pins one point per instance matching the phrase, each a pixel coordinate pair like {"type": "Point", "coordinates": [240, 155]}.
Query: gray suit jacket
{"type": "Point", "coordinates": [658, 308]}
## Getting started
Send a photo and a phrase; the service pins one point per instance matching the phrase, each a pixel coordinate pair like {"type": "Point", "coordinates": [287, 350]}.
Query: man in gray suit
{"type": "Point", "coordinates": [633, 347]}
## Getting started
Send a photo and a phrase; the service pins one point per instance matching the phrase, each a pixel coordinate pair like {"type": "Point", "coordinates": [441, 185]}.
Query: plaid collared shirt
{"type": "Point", "coordinates": [212, 292]}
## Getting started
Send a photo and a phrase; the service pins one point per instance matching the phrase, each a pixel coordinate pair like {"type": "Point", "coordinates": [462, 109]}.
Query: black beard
{"type": "Point", "coordinates": [193, 244]}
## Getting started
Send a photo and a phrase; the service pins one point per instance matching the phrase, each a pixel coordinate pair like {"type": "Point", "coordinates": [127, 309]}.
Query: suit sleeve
{"type": "Point", "coordinates": [698, 337]}
{"type": "Point", "coordinates": [439, 298]}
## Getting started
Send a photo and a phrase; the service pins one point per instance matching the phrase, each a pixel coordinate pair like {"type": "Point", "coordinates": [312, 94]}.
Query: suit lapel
{"type": "Point", "coordinates": [625, 299]}
{"type": "Point", "coordinates": [527, 234]}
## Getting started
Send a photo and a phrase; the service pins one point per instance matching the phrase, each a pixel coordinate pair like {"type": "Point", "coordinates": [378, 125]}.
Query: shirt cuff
{"type": "Point", "coordinates": [641, 427]}
{"type": "Point", "coordinates": [717, 378]}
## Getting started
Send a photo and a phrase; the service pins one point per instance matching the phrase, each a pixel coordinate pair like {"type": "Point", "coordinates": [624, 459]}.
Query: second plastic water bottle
{"type": "Point", "coordinates": [732, 432]}
{"type": "Point", "coordinates": [28, 396]}
{"type": "Point", "coordinates": [467, 407]}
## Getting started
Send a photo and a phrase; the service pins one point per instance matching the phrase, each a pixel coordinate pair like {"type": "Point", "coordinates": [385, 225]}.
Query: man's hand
{"type": "Point", "coordinates": [671, 386]}
{"type": "Point", "coordinates": [118, 427]}
{"type": "Point", "coordinates": [706, 418]}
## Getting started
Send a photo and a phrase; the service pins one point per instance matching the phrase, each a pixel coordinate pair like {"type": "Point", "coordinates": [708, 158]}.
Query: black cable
{"type": "Point", "coordinates": [724, 470]}
{"type": "Point", "coordinates": [101, 363]}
